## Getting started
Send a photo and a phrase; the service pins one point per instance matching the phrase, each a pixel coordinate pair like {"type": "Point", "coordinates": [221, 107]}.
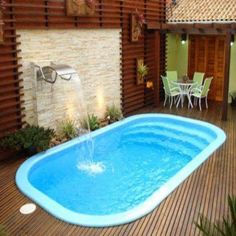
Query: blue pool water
{"type": "Point", "coordinates": [133, 160]}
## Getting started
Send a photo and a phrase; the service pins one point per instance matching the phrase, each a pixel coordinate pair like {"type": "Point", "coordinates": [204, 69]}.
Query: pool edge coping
{"type": "Point", "coordinates": [121, 218]}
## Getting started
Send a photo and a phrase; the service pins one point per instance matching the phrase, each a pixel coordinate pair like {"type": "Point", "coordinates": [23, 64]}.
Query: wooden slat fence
{"type": "Point", "coordinates": [51, 14]}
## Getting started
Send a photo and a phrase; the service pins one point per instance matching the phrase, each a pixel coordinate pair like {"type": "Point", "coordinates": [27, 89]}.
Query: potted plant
{"type": "Point", "coordinates": [137, 22]}
{"type": "Point", "coordinates": [2, 5]}
{"type": "Point", "coordinates": [29, 140]}
{"type": "Point", "coordinates": [90, 4]}
{"type": "Point", "coordinates": [142, 71]}
{"type": "Point", "coordinates": [67, 130]}
{"type": "Point", "coordinates": [91, 122]}
{"type": "Point", "coordinates": [113, 114]}
{"type": "Point", "coordinates": [140, 19]}
{"type": "Point", "coordinates": [2, 8]}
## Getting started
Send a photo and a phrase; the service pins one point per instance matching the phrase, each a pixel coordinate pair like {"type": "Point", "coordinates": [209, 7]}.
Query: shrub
{"type": "Point", "coordinates": [29, 138]}
{"type": "Point", "coordinates": [225, 228]}
{"type": "Point", "coordinates": [91, 122]}
{"type": "Point", "coordinates": [113, 114]}
{"type": "Point", "coordinates": [67, 130]}
{"type": "Point", "coordinates": [142, 70]}
{"type": "Point", "coordinates": [2, 231]}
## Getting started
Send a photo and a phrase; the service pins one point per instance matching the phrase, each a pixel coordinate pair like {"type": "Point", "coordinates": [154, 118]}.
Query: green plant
{"type": "Point", "coordinates": [90, 122]}
{"type": "Point", "coordinates": [113, 113]}
{"type": "Point", "coordinates": [33, 138]}
{"type": "Point", "coordinates": [2, 231]}
{"type": "Point", "coordinates": [67, 130]}
{"type": "Point", "coordinates": [140, 18]}
{"type": "Point", "coordinates": [225, 228]}
{"type": "Point", "coordinates": [142, 70]}
{"type": "Point", "coordinates": [90, 4]}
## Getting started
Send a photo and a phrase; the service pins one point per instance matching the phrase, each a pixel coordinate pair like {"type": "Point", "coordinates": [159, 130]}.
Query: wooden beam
{"type": "Point", "coordinates": [156, 81]}
{"type": "Point", "coordinates": [156, 26]}
{"type": "Point", "coordinates": [226, 77]}
{"type": "Point", "coordinates": [202, 28]}
{"type": "Point", "coordinates": [218, 26]}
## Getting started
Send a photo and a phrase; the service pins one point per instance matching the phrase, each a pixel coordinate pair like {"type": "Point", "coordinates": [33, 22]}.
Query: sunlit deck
{"type": "Point", "coordinates": [205, 191]}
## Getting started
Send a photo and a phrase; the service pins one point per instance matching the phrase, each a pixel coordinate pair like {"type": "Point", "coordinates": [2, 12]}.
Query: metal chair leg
{"type": "Point", "coordinates": [179, 99]}
{"type": "Point", "coordinates": [189, 102]}
{"type": "Point", "coordinates": [165, 100]}
{"type": "Point", "coordinates": [182, 101]}
{"type": "Point", "coordinates": [200, 104]}
{"type": "Point", "coordinates": [171, 101]}
{"type": "Point", "coordinates": [206, 102]}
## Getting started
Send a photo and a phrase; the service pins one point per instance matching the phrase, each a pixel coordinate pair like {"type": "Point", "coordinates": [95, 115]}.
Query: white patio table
{"type": "Point", "coordinates": [185, 88]}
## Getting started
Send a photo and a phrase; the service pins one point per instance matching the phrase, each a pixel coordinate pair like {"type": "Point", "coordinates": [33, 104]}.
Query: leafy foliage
{"type": "Point", "coordinates": [113, 114]}
{"type": "Point", "coordinates": [67, 130]}
{"type": "Point", "coordinates": [28, 138]}
{"type": "Point", "coordinates": [2, 231]}
{"type": "Point", "coordinates": [90, 122]}
{"type": "Point", "coordinates": [140, 18]}
{"type": "Point", "coordinates": [225, 228]}
{"type": "Point", "coordinates": [90, 3]}
{"type": "Point", "coordinates": [142, 70]}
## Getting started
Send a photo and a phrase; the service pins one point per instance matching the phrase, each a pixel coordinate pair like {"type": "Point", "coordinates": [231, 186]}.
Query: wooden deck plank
{"type": "Point", "coordinates": [205, 191]}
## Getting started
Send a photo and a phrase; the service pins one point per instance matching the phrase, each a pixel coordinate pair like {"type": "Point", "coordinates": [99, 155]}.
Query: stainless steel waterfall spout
{"type": "Point", "coordinates": [52, 72]}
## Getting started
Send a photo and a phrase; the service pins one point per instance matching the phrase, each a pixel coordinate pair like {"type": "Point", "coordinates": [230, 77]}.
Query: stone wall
{"type": "Point", "coordinates": [95, 55]}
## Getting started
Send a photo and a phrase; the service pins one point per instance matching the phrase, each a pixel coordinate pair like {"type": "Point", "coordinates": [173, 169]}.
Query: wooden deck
{"type": "Point", "coordinates": [205, 191]}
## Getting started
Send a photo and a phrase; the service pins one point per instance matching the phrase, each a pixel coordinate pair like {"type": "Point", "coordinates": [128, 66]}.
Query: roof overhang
{"type": "Point", "coordinates": [196, 27]}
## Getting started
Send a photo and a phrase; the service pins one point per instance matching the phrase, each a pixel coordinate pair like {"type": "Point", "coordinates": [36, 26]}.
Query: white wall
{"type": "Point", "coordinates": [95, 54]}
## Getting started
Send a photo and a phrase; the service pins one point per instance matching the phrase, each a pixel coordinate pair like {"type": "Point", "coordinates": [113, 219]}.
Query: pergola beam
{"type": "Point", "coordinates": [209, 28]}
{"type": "Point", "coordinates": [157, 75]}
{"type": "Point", "coordinates": [226, 76]}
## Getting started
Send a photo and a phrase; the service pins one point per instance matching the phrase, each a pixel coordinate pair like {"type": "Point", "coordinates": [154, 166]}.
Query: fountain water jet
{"type": "Point", "coordinates": [86, 161]}
{"type": "Point", "coordinates": [91, 168]}
{"type": "Point", "coordinates": [75, 104]}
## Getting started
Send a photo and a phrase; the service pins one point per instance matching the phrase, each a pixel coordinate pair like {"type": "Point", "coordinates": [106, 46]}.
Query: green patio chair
{"type": "Point", "coordinates": [171, 92]}
{"type": "Point", "coordinates": [198, 79]}
{"type": "Point", "coordinates": [172, 77]}
{"type": "Point", "coordinates": [202, 92]}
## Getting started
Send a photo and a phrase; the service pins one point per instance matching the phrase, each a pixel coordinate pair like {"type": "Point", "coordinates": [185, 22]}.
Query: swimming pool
{"type": "Point", "coordinates": [137, 163]}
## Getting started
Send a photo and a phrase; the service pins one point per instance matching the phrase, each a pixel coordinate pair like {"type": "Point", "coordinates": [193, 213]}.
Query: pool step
{"type": "Point", "coordinates": [166, 134]}
{"type": "Point", "coordinates": [174, 128]}
{"type": "Point", "coordinates": [163, 141]}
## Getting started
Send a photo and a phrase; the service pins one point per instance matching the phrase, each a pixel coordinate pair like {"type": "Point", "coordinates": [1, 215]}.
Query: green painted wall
{"type": "Point", "coordinates": [177, 54]}
{"type": "Point", "coordinates": [172, 52]}
{"type": "Point", "coordinates": [177, 58]}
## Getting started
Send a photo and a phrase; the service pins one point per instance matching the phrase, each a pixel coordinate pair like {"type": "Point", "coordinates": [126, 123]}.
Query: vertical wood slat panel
{"type": "Point", "coordinates": [51, 14]}
{"type": "Point", "coordinates": [10, 89]}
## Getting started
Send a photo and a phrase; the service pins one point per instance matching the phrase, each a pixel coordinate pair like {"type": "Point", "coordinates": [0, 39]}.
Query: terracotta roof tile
{"type": "Point", "coordinates": [202, 10]}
